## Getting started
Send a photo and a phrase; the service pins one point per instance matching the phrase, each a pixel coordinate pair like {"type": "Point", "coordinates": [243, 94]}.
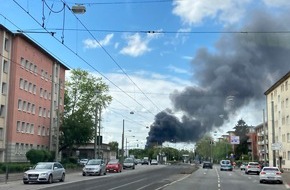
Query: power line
{"type": "Point", "coordinates": [164, 31]}
{"type": "Point", "coordinates": [124, 2]}
{"type": "Point", "coordinates": [72, 51]}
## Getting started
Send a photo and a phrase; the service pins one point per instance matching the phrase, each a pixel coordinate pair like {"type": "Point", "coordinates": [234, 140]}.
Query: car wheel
{"type": "Point", "coordinates": [261, 181]}
{"type": "Point", "coordinates": [84, 174]}
{"type": "Point", "coordinates": [62, 178]}
{"type": "Point", "coordinates": [50, 179]}
{"type": "Point", "coordinates": [25, 182]}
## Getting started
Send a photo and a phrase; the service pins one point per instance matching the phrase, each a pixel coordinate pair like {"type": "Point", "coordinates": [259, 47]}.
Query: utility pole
{"type": "Point", "coordinates": [273, 133]}
{"type": "Point", "coordinates": [122, 153]}
{"type": "Point", "coordinates": [96, 132]}
{"type": "Point", "coordinates": [265, 144]}
{"type": "Point", "coordinates": [99, 136]}
{"type": "Point", "coordinates": [57, 124]}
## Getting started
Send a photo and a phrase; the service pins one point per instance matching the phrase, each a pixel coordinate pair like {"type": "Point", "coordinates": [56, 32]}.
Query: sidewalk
{"type": "Point", "coordinates": [286, 178]}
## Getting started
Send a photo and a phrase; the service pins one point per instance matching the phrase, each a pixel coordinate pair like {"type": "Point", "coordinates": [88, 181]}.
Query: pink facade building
{"type": "Point", "coordinates": [32, 94]}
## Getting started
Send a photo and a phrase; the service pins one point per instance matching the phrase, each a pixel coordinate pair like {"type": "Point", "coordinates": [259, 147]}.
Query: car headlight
{"type": "Point", "coordinates": [43, 174]}
{"type": "Point", "coordinates": [25, 175]}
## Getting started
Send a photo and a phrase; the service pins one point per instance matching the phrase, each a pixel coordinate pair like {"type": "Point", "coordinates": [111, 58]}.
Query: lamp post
{"type": "Point", "coordinates": [96, 128]}
{"type": "Point", "coordinates": [123, 131]}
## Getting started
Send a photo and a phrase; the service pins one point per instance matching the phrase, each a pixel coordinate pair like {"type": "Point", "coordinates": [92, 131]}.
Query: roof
{"type": "Point", "coordinates": [35, 44]}
{"type": "Point", "coordinates": [285, 77]}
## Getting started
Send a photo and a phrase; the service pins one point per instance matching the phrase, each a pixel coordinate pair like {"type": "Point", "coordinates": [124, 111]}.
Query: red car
{"type": "Point", "coordinates": [114, 166]}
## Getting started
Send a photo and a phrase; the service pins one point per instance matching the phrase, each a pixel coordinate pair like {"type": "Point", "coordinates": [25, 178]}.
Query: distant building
{"type": "Point", "coordinates": [262, 142]}
{"type": "Point", "coordinates": [278, 113]}
{"type": "Point", "coordinates": [32, 92]}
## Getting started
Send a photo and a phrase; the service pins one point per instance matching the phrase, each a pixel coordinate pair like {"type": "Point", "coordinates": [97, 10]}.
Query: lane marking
{"type": "Point", "coordinates": [159, 188]}
{"type": "Point", "coordinates": [126, 184]}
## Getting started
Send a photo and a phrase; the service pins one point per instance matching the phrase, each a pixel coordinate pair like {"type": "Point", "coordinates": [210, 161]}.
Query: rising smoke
{"type": "Point", "coordinates": [239, 70]}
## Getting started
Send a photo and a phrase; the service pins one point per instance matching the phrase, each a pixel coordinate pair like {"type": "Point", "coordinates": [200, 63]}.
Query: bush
{"type": "Point", "coordinates": [35, 156]}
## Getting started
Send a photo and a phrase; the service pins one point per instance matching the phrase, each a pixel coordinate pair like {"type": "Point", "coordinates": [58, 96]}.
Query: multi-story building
{"type": "Point", "coordinates": [262, 142]}
{"type": "Point", "coordinates": [278, 113]}
{"type": "Point", "coordinates": [31, 98]}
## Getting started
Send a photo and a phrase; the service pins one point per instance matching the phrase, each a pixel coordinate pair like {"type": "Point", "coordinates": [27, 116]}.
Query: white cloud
{"type": "Point", "coordinates": [196, 11]}
{"type": "Point", "coordinates": [178, 70]}
{"type": "Point", "coordinates": [136, 45]}
{"type": "Point", "coordinates": [277, 3]}
{"type": "Point", "coordinates": [91, 43]}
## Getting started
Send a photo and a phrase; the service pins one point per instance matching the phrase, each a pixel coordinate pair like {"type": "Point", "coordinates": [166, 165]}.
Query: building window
{"type": "Point", "coordinates": [17, 148]}
{"type": "Point", "coordinates": [35, 69]}
{"type": "Point", "coordinates": [43, 131]}
{"type": "Point", "coordinates": [5, 66]}
{"type": "Point", "coordinates": [34, 89]}
{"type": "Point", "coordinates": [31, 68]}
{"type": "Point", "coordinates": [41, 92]}
{"type": "Point", "coordinates": [21, 83]}
{"type": "Point", "coordinates": [23, 127]}
{"type": "Point", "coordinates": [6, 44]}
{"type": "Point", "coordinates": [22, 62]}
{"type": "Point", "coordinates": [27, 65]}
{"type": "Point", "coordinates": [27, 129]}
{"type": "Point", "coordinates": [18, 127]}
{"type": "Point", "coordinates": [33, 108]}
{"type": "Point", "coordinates": [24, 106]}
{"type": "Point", "coordinates": [40, 111]}
{"type": "Point", "coordinates": [4, 88]}
{"type": "Point", "coordinates": [28, 107]}
{"type": "Point", "coordinates": [26, 85]}
{"type": "Point", "coordinates": [2, 111]}
{"type": "Point", "coordinates": [1, 133]}
{"type": "Point", "coordinates": [42, 73]}
{"type": "Point", "coordinates": [286, 85]}
{"type": "Point", "coordinates": [30, 86]}
{"type": "Point", "coordinates": [32, 129]}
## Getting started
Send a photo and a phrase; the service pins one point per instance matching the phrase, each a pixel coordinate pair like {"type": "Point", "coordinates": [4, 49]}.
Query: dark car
{"type": "Point", "coordinates": [145, 162]}
{"type": "Point", "coordinates": [207, 164]}
{"type": "Point", "coordinates": [129, 163]}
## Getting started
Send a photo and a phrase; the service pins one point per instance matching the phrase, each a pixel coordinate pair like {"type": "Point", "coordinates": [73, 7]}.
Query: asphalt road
{"type": "Point", "coordinates": [214, 179]}
{"type": "Point", "coordinates": [143, 177]}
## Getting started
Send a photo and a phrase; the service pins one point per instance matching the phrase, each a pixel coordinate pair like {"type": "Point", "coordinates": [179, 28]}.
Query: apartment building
{"type": "Point", "coordinates": [278, 112]}
{"type": "Point", "coordinates": [262, 142]}
{"type": "Point", "coordinates": [32, 91]}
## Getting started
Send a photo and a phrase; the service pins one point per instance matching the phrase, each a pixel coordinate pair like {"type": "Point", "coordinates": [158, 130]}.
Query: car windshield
{"type": "Point", "coordinates": [113, 162]}
{"type": "Point", "coordinates": [44, 166]}
{"type": "Point", "coordinates": [94, 162]}
{"type": "Point", "coordinates": [128, 160]}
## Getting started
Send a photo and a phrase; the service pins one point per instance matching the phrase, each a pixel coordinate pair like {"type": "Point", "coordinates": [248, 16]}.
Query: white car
{"type": "Point", "coordinates": [253, 167]}
{"type": "Point", "coordinates": [154, 162]}
{"type": "Point", "coordinates": [271, 174]}
{"type": "Point", "coordinates": [95, 167]}
{"type": "Point", "coordinates": [45, 172]}
{"type": "Point", "coordinates": [83, 161]}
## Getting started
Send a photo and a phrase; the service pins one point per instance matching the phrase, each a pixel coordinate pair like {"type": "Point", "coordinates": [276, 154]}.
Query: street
{"type": "Point", "coordinates": [158, 177]}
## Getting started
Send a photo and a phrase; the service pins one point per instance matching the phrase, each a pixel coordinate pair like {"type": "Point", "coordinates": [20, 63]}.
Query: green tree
{"type": "Point", "coordinates": [83, 92]}
{"type": "Point", "coordinates": [203, 147]}
{"type": "Point", "coordinates": [241, 130]}
{"type": "Point", "coordinates": [35, 156]}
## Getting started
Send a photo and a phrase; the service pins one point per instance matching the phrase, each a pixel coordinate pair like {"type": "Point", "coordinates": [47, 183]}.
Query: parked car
{"type": "Point", "coordinates": [243, 165]}
{"type": "Point", "coordinates": [46, 172]}
{"type": "Point", "coordinates": [226, 165]}
{"type": "Point", "coordinates": [253, 167]}
{"type": "Point", "coordinates": [95, 167]}
{"type": "Point", "coordinates": [271, 174]}
{"type": "Point", "coordinates": [114, 166]}
{"type": "Point", "coordinates": [154, 162]}
{"type": "Point", "coordinates": [83, 161]}
{"type": "Point", "coordinates": [129, 163]}
{"type": "Point", "coordinates": [207, 164]}
{"type": "Point", "coordinates": [145, 162]}
{"type": "Point", "coordinates": [138, 161]}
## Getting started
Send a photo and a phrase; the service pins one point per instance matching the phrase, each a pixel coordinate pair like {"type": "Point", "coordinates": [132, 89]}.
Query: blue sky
{"type": "Point", "coordinates": [157, 62]}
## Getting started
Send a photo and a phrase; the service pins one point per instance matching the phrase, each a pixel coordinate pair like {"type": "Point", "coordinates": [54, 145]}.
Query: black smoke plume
{"type": "Point", "coordinates": [239, 70]}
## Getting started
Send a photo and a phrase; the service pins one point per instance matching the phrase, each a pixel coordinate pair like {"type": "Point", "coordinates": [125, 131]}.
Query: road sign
{"type": "Point", "coordinates": [276, 146]}
{"type": "Point", "coordinates": [235, 139]}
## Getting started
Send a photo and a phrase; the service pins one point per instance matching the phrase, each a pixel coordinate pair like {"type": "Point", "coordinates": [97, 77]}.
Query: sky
{"type": "Point", "coordinates": [185, 68]}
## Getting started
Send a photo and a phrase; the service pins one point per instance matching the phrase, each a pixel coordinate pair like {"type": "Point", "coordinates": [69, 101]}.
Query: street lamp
{"type": "Point", "coordinates": [78, 9]}
{"type": "Point", "coordinates": [122, 155]}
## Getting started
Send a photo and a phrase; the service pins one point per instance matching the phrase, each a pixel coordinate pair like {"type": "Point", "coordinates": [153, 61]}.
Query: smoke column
{"type": "Point", "coordinates": [239, 70]}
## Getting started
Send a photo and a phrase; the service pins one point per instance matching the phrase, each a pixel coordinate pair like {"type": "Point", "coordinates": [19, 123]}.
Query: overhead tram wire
{"type": "Point", "coordinates": [57, 58]}
{"type": "Point", "coordinates": [126, 2]}
{"type": "Point", "coordinates": [72, 51]}
{"type": "Point", "coordinates": [164, 32]}
{"type": "Point", "coordinates": [114, 60]}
